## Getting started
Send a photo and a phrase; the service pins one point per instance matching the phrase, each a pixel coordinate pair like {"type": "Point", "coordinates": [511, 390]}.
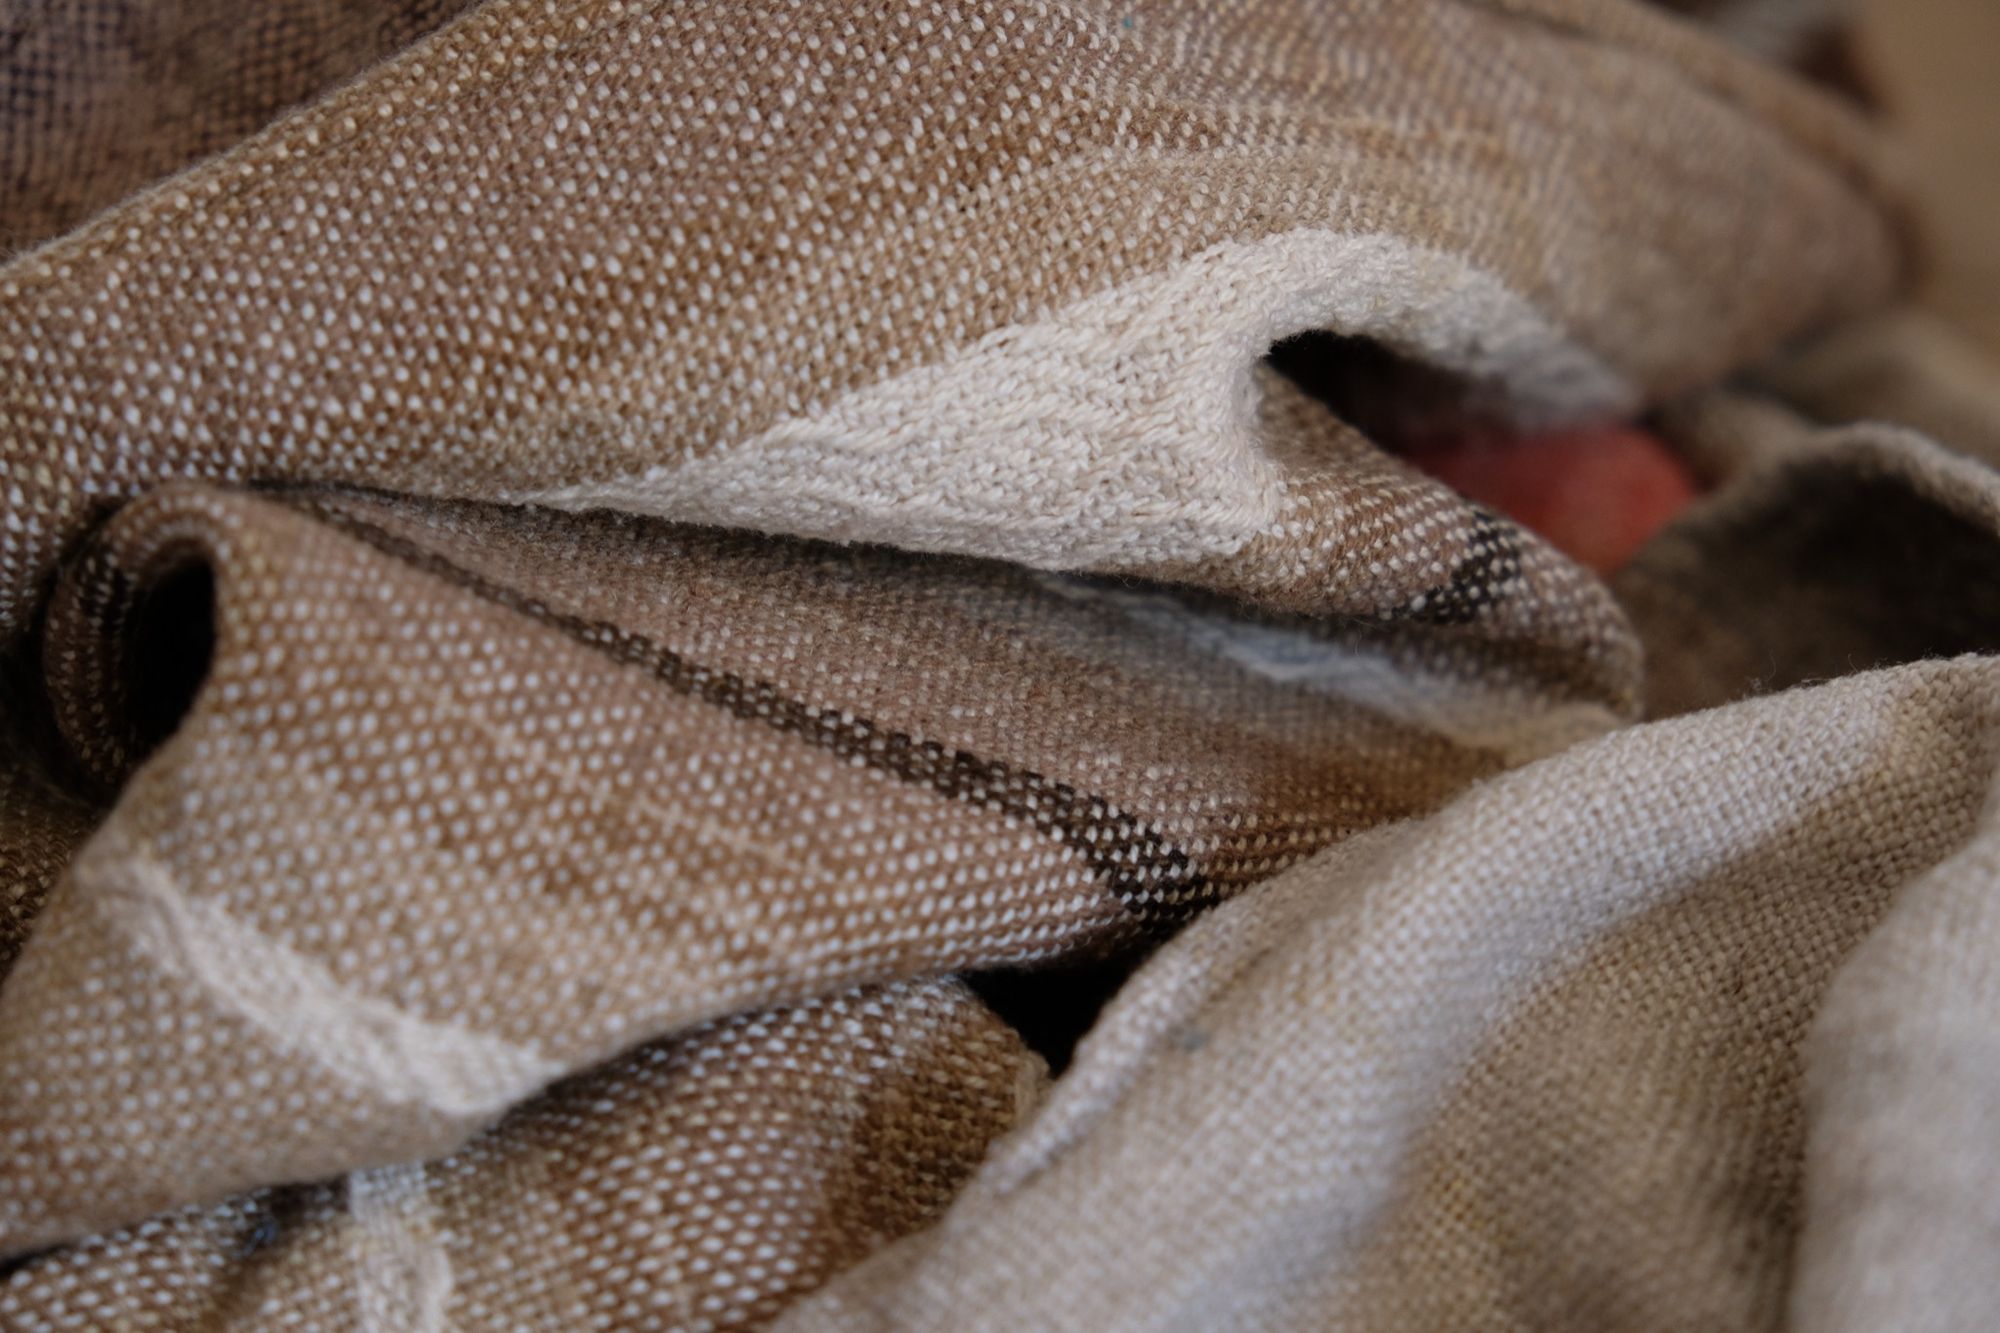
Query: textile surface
{"type": "Point", "coordinates": [618, 620]}
{"type": "Point", "coordinates": [104, 98]}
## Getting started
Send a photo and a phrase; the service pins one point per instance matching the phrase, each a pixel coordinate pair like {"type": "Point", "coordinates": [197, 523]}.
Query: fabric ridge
{"type": "Point", "coordinates": [707, 666]}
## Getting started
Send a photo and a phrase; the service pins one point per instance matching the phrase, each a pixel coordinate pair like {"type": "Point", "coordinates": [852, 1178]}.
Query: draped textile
{"type": "Point", "coordinates": [688, 665]}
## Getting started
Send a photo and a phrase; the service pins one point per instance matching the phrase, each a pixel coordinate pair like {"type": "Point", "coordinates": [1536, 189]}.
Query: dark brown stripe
{"type": "Point", "coordinates": [1478, 582]}
{"type": "Point", "coordinates": [1153, 878]}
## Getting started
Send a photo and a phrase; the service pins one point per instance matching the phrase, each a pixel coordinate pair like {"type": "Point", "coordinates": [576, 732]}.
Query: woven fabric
{"type": "Point", "coordinates": [615, 629]}
{"type": "Point", "coordinates": [1564, 1054]}
{"type": "Point", "coordinates": [991, 279]}
{"type": "Point", "coordinates": [99, 98]}
{"type": "Point", "coordinates": [650, 775]}
{"type": "Point", "coordinates": [695, 1184]}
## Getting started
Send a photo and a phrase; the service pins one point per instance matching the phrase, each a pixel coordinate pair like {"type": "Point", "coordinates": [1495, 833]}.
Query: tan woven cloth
{"type": "Point", "coordinates": [697, 1183]}
{"type": "Point", "coordinates": [1542, 1060]}
{"type": "Point", "coordinates": [613, 632]}
{"type": "Point", "coordinates": [991, 279]}
{"type": "Point", "coordinates": [103, 97]}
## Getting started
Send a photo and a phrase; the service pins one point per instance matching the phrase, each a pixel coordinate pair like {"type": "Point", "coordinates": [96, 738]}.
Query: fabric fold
{"type": "Point", "coordinates": [697, 1183]}
{"type": "Point", "coordinates": [1836, 551]}
{"type": "Point", "coordinates": [619, 617]}
{"type": "Point", "coordinates": [466, 798]}
{"type": "Point", "coordinates": [1626, 1037]}
{"type": "Point", "coordinates": [535, 256]}
{"type": "Point", "coordinates": [1442, 1075]}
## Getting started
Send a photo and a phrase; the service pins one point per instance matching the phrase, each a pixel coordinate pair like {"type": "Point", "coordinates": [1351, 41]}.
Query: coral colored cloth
{"type": "Point", "coordinates": [1597, 495]}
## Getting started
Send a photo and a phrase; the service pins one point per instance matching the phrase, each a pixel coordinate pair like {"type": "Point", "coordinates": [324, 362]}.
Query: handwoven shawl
{"type": "Point", "coordinates": [681, 665]}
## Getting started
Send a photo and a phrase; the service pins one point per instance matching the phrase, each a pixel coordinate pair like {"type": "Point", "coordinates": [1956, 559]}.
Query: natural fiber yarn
{"type": "Point", "coordinates": [571, 601]}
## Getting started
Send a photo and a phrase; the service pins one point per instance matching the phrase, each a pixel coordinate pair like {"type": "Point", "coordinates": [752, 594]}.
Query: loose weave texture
{"type": "Point", "coordinates": [1607, 1043]}
{"type": "Point", "coordinates": [429, 899]}
{"type": "Point", "coordinates": [653, 777]}
{"type": "Point", "coordinates": [988, 277]}
{"type": "Point", "coordinates": [1382, 1077]}
{"type": "Point", "coordinates": [99, 98]}
{"type": "Point", "coordinates": [695, 1184]}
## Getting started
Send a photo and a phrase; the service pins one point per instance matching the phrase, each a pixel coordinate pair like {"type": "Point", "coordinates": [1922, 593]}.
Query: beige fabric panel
{"type": "Point", "coordinates": [538, 250]}
{"type": "Point", "coordinates": [597, 600]}
{"type": "Point", "coordinates": [1533, 1063]}
{"type": "Point", "coordinates": [694, 1184]}
{"type": "Point", "coordinates": [100, 98]}
{"type": "Point", "coordinates": [438, 756]}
